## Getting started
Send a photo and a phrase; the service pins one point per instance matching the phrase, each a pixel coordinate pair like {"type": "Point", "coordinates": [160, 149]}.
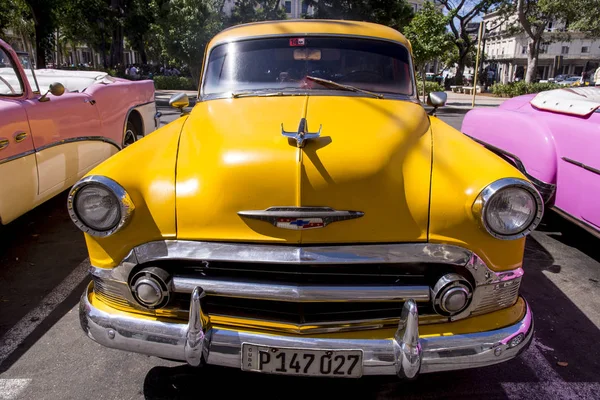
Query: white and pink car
{"type": "Point", "coordinates": [50, 140]}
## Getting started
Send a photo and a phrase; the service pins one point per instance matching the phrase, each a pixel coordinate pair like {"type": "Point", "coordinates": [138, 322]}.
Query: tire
{"type": "Point", "coordinates": [131, 134]}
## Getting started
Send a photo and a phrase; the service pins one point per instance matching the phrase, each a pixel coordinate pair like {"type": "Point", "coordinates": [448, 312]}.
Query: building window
{"type": "Point", "coordinates": [288, 7]}
{"type": "Point", "coordinates": [564, 50]}
{"type": "Point", "coordinates": [304, 7]}
{"type": "Point", "coordinates": [585, 49]}
{"type": "Point", "coordinates": [523, 49]}
{"type": "Point", "coordinates": [415, 7]}
{"type": "Point", "coordinates": [544, 48]}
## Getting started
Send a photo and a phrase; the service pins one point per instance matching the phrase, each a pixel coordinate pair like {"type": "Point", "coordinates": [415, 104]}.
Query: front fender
{"type": "Point", "coordinates": [146, 170]}
{"type": "Point", "coordinates": [519, 134]}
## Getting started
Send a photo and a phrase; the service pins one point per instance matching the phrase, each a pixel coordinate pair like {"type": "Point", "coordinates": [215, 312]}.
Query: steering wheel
{"type": "Point", "coordinates": [362, 76]}
{"type": "Point", "coordinates": [12, 91]}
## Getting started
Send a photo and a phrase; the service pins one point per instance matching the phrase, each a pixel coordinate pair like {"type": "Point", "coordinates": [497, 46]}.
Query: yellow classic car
{"type": "Point", "coordinates": [308, 217]}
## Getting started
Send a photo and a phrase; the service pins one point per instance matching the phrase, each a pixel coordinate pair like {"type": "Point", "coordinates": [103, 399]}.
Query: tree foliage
{"type": "Point", "coordinates": [532, 18]}
{"type": "Point", "coordinates": [394, 13]}
{"type": "Point", "coordinates": [462, 13]}
{"type": "Point", "coordinates": [428, 36]}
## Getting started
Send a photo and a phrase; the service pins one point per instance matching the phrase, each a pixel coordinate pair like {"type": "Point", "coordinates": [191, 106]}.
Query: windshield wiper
{"type": "Point", "coordinates": [265, 92]}
{"type": "Point", "coordinates": [332, 84]}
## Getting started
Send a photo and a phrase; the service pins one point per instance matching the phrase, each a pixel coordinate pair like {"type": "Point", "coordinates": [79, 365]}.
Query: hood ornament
{"type": "Point", "coordinates": [303, 134]}
{"type": "Point", "coordinates": [300, 218]}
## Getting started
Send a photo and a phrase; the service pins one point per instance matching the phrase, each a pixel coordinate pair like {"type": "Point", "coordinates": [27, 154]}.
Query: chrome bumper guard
{"type": "Point", "coordinates": [406, 355]}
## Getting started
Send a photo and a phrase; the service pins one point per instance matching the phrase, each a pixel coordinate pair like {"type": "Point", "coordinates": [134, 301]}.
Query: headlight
{"type": "Point", "coordinates": [99, 206]}
{"type": "Point", "coordinates": [509, 208]}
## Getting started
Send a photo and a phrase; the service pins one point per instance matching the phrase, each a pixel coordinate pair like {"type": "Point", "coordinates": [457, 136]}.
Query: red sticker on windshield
{"type": "Point", "coordinates": [295, 42]}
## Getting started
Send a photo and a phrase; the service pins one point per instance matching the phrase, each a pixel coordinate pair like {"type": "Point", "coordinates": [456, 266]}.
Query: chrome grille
{"type": "Point", "coordinates": [109, 293]}
{"type": "Point", "coordinates": [497, 296]}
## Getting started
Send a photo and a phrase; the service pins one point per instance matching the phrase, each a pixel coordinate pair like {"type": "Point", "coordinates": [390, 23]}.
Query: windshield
{"type": "Point", "coordinates": [10, 81]}
{"type": "Point", "coordinates": [285, 63]}
{"type": "Point", "coordinates": [29, 72]}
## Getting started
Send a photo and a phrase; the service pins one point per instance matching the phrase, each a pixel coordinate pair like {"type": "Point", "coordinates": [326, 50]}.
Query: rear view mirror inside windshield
{"type": "Point", "coordinates": [307, 54]}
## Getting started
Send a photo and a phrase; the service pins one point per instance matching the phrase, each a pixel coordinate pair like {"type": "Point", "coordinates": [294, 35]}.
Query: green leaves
{"type": "Point", "coordinates": [393, 13]}
{"type": "Point", "coordinates": [427, 34]}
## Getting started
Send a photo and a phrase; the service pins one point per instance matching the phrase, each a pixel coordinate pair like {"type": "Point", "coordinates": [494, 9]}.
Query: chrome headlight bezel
{"type": "Point", "coordinates": [482, 201]}
{"type": "Point", "coordinates": [124, 200]}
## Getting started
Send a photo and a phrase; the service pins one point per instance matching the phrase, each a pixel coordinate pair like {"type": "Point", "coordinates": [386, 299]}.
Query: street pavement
{"type": "Point", "coordinates": [45, 355]}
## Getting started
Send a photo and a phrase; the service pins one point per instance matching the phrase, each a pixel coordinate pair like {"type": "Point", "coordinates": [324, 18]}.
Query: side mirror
{"type": "Point", "coordinates": [180, 101]}
{"type": "Point", "coordinates": [436, 99]}
{"type": "Point", "coordinates": [56, 88]}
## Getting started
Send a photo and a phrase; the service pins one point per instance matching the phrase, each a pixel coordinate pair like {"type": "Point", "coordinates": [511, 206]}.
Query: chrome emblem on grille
{"type": "Point", "coordinates": [303, 134]}
{"type": "Point", "coordinates": [300, 218]}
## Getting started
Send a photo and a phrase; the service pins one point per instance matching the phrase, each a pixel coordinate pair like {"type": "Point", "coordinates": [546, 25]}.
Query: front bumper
{"type": "Point", "coordinates": [405, 355]}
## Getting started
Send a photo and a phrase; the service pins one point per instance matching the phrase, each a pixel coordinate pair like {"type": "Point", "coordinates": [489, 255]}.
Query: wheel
{"type": "Point", "coordinates": [131, 134]}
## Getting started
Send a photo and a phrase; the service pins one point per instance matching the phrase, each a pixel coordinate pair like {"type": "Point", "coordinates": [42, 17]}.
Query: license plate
{"type": "Point", "coordinates": [290, 361]}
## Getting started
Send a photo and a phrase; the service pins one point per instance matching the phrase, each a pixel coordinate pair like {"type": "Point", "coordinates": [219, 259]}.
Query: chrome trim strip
{"type": "Point", "coordinates": [79, 139]}
{"type": "Point", "coordinates": [60, 142]}
{"type": "Point", "coordinates": [125, 203]}
{"type": "Point", "coordinates": [284, 254]}
{"type": "Point", "coordinates": [413, 96]}
{"type": "Point", "coordinates": [574, 220]}
{"type": "Point", "coordinates": [322, 327]}
{"type": "Point", "coordinates": [300, 293]}
{"type": "Point", "coordinates": [582, 165]}
{"type": "Point", "coordinates": [546, 189]}
{"type": "Point", "coordinates": [480, 204]}
{"type": "Point", "coordinates": [326, 215]}
{"type": "Point", "coordinates": [405, 355]}
{"type": "Point", "coordinates": [16, 156]}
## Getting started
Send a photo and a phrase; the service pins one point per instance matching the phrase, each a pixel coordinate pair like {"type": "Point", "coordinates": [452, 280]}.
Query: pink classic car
{"type": "Point", "coordinates": [554, 139]}
{"type": "Point", "coordinates": [50, 140]}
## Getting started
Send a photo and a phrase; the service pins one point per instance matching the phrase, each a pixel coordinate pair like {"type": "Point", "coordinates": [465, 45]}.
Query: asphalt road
{"type": "Point", "coordinates": [45, 355]}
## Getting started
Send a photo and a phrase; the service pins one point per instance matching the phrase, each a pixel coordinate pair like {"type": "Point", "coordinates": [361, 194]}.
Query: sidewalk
{"type": "Point", "coordinates": [464, 101]}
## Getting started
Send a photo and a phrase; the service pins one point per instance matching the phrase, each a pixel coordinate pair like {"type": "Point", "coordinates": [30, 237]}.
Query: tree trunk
{"type": "Point", "coordinates": [40, 51]}
{"type": "Point", "coordinates": [116, 48]}
{"type": "Point", "coordinates": [460, 71]}
{"type": "Point", "coordinates": [142, 51]}
{"type": "Point", "coordinates": [532, 60]}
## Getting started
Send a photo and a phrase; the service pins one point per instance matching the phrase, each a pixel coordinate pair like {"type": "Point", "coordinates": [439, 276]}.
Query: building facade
{"type": "Point", "coordinates": [506, 52]}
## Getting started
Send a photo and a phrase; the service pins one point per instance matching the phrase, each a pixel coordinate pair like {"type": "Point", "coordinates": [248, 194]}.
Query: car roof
{"type": "Point", "coordinates": [307, 27]}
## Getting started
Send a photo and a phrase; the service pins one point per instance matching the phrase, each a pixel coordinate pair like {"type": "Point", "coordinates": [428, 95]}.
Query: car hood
{"type": "Point", "coordinates": [373, 156]}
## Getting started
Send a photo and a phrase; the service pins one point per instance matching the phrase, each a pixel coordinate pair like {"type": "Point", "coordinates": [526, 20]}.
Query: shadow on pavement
{"type": "Point", "coordinates": [571, 235]}
{"type": "Point", "coordinates": [559, 324]}
{"type": "Point", "coordinates": [37, 252]}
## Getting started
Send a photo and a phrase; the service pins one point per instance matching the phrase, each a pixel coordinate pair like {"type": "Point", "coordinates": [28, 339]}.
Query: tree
{"type": "Point", "coordinates": [533, 16]}
{"type": "Point", "coordinates": [43, 13]}
{"type": "Point", "coordinates": [187, 27]}
{"type": "Point", "coordinates": [428, 36]}
{"type": "Point", "coordinates": [461, 13]}
{"type": "Point", "coordinates": [394, 13]}
{"type": "Point", "coordinates": [84, 21]}
{"type": "Point", "coordinates": [139, 17]}
{"type": "Point", "coordinates": [588, 19]}
{"type": "Point", "coordinates": [254, 10]}
{"type": "Point", "coordinates": [16, 16]}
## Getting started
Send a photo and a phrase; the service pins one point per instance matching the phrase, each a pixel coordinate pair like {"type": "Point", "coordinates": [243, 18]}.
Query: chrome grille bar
{"type": "Point", "coordinates": [300, 293]}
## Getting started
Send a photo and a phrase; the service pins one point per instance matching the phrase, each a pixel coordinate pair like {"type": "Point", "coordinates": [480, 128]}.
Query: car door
{"type": "Point", "coordinates": [590, 160]}
{"type": "Point", "coordinates": [578, 173]}
{"type": "Point", "coordinates": [18, 173]}
{"type": "Point", "coordinates": [68, 139]}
